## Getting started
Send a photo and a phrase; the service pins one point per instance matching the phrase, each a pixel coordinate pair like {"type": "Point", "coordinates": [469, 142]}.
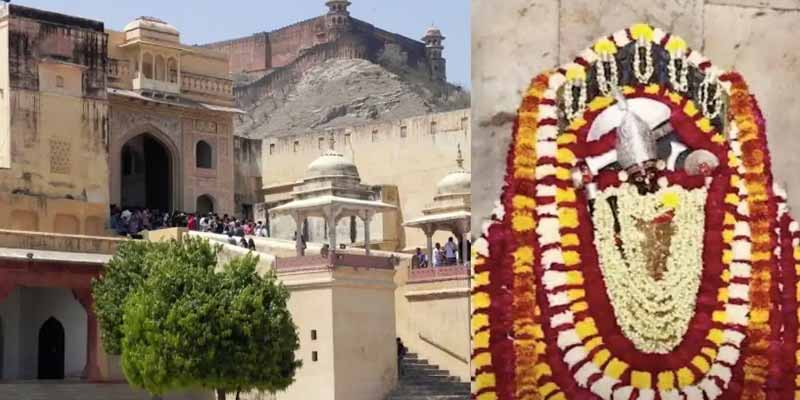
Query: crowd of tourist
{"type": "Point", "coordinates": [132, 221]}
{"type": "Point", "coordinates": [447, 255]}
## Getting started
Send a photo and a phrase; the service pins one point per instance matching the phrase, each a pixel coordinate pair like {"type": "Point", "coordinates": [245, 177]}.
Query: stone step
{"type": "Point", "coordinates": [422, 380]}
{"type": "Point", "coordinates": [429, 397]}
{"type": "Point", "coordinates": [430, 390]}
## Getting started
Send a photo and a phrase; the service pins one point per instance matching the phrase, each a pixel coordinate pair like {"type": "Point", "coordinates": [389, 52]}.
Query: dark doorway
{"type": "Point", "coordinates": [146, 174]}
{"type": "Point", "coordinates": [205, 205]}
{"type": "Point", "coordinates": [2, 349]}
{"type": "Point", "coordinates": [51, 350]}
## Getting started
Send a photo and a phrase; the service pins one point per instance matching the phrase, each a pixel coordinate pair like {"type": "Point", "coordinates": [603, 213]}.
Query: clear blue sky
{"type": "Point", "coordinates": [203, 21]}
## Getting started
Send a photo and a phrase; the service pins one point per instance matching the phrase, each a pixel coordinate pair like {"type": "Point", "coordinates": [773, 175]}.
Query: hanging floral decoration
{"type": "Point", "coordinates": [585, 286]}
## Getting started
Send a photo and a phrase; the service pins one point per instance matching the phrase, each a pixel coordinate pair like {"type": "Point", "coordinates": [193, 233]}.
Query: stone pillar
{"type": "Point", "coordinates": [367, 219]}
{"type": "Point", "coordinates": [332, 217]}
{"type": "Point", "coordinates": [428, 230]}
{"type": "Point", "coordinates": [298, 235]}
{"type": "Point", "coordinates": [463, 230]}
{"type": "Point", "coordinates": [91, 371]}
{"type": "Point", "coordinates": [141, 64]}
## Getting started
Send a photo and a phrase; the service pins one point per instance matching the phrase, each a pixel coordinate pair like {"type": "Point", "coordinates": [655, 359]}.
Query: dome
{"type": "Point", "coordinates": [456, 182]}
{"type": "Point", "coordinates": [151, 24]}
{"type": "Point", "coordinates": [331, 164]}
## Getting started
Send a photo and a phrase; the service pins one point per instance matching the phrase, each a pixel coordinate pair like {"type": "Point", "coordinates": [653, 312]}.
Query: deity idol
{"type": "Point", "coordinates": [641, 250]}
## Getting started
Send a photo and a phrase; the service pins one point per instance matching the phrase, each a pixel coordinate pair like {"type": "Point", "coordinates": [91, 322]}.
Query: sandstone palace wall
{"type": "Point", "coordinates": [54, 129]}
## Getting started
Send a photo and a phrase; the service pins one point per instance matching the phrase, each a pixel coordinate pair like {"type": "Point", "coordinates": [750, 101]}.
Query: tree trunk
{"type": "Point", "coordinates": [220, 394]}
{"type": "Point", "coordinates": [237, 395]}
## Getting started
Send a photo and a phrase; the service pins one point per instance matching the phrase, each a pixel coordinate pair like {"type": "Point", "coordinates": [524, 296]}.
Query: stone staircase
{"type": "Point", "coordinates": [422, 381]}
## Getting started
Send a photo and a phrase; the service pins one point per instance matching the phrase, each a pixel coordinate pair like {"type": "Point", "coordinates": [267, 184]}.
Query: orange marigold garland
{"type": "Point", "coordinates": [543, 327]}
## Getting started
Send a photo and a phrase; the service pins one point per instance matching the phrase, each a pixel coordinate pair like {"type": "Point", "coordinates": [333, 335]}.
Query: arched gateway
{"type": "Point", "coordinates": [146, 173]}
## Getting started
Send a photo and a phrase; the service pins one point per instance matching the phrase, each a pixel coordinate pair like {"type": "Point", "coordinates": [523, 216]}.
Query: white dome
{"type": "Point", "coordinates": [331, 164]}
{"type": "Point", "coordinates": [456, 182]}
{"type": "Point", "coordinates": [153, 24]}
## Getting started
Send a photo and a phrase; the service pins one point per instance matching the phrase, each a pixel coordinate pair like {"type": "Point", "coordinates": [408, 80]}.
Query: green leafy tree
{"type": "Point", "coordinates": [126, 271]}
{"type": "Point", "coordinates": [257, 339]}
{"type": "Point", "coordinates": [184, 326]}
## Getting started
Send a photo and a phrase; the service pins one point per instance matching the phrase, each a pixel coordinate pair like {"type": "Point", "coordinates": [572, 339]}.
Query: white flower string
{"type": "Point", "coordinates": [647, 47]}
{"type": "Point", "coordinates": [653, 314]}
{"type": "Point", "coordinates": [703, 97]}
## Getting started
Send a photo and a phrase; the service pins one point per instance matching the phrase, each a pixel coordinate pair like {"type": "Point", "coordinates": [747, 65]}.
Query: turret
{"type": "Point", "coordinates": [338, 17]}
{"type": "Point", "coordinates": [433, 50]}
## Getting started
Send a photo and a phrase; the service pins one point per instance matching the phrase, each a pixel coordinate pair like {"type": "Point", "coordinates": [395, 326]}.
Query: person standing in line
{"type": "Point", "coordinates": [438, 255]}
{"type": "Point", "coordinates": [451, 251]}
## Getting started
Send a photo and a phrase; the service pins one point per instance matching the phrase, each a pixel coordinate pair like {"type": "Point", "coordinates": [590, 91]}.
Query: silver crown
{"type": "Point", "coordinates": [636, 142]}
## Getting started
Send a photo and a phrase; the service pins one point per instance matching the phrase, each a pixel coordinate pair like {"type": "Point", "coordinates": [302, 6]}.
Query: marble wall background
{"type": "Point", "coordinates": [514, 40]}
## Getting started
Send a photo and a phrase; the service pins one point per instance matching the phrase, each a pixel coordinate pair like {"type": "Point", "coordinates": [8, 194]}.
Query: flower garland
{"type": "Point", "coordinates": [545, 325]}
{"type": "Point", "coordinates": [747, 127]}
{"type": "Point", "coordinates": [654, 314]}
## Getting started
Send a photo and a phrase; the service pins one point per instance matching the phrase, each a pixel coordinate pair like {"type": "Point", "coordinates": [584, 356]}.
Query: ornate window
{"type": "Point", "coordinates": [204, 155]}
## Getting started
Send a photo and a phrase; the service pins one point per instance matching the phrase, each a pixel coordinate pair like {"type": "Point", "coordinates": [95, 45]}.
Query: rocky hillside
{"type": "Point", "coordinates": [346, 92]}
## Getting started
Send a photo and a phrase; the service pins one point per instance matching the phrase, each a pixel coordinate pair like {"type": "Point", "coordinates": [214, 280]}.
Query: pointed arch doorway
{"type": "Point", "coordinates": [146, 169]}
{"type": "Point", "coordinates": [51, 350]}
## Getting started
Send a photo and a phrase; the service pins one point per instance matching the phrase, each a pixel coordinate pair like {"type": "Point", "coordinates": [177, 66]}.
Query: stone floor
{"type": "Point", "coordinates": [64, 390]}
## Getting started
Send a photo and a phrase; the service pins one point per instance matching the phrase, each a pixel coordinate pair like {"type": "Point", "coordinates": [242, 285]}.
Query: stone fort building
{"type": "Point", "coordinates": [266, 61]}
{"type": "Point", "coordinates": [93, 117]}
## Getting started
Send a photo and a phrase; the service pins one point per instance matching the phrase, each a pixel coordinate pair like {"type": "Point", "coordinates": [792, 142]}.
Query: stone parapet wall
{"type": "Point", "coordinates": [59, 216]}
{"type": "Point", "coordinates": [16, 239]}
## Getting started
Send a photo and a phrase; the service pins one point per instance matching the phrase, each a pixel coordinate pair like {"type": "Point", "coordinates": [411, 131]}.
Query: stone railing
{"type": "Point", "coordinates": [317, 262]}
{"type": "Point", "coordinates": [433, 274]}
{"type": "Point", "coordinates": [303, 263]}
{"type": "Point", "coordinates": [206, 85]}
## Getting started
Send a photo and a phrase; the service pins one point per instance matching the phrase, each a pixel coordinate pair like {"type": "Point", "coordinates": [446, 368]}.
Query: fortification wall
{"type": "Point", "coordinates": [247, 54]}
{"type": "Point", "coordinates": [279, 78]}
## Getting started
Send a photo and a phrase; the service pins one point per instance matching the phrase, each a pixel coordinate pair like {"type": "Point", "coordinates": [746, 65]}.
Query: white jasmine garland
{"type": "Point", "coordinates": [653, 314]}
{"type": "Point", "coordinates": [643, 76]}
{"type": "Point", "coordinates": [678, 79]}
{"type": "Point", "coordinates": [705, 101]}
{"type": "Point", "coordinates": [572, 109]}
{"type": "Point", "coordinates": [606, 86]}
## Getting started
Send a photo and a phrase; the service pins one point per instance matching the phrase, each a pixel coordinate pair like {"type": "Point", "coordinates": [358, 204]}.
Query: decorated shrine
{"type": "Point", "coordinates": [641, 249]}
